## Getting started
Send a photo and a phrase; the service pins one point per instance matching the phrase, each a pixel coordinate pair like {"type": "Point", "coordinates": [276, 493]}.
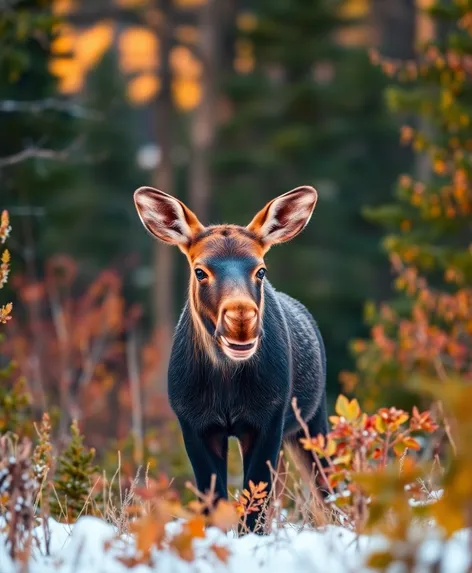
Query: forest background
{"type": "Point", "coordinates": [225, 104]}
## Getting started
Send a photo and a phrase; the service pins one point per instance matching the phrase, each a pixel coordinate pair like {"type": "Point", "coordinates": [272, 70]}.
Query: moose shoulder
{"type": "Point", "coordinates": [241, 349]}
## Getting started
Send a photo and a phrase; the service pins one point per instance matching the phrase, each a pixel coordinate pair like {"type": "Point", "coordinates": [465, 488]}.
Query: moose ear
{"type": "Point", "coordinates": [166, 217]}
{"type": "Point", "coordinates": [285, 216]}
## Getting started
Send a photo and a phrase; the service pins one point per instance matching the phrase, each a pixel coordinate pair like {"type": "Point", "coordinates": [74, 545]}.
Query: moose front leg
{"type": "Point", "coordinates": [259, 457]}
{"type": "Point", "coordinates": [208, 453]}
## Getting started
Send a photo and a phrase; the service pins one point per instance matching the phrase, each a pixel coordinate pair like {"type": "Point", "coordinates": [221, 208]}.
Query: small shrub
{"type": "Point", "coordinates": [358, 444]}
{"type": "Point", "coordinates": [73, 483]}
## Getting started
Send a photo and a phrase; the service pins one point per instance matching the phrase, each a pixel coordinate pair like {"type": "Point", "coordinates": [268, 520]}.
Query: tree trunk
{"type": "Point", "coordinates": [204, 118]}
{"type": "Point", "coordinates": [164, 180]}
{"type": "Point", "coordinates": [394, 27]}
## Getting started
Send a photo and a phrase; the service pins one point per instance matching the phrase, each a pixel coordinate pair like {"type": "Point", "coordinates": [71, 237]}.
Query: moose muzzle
{"type": "Point", "coordinates": [238, 328]}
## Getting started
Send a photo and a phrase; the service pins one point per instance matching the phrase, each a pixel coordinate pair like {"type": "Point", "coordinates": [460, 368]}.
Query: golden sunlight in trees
{"type": "Point", "coordinates": [355, 34]}
{"type": "Point", "coordinates": [187, 93]}
{"type": "Point", "coordinates": [184, 63]}
{"type": "Point", "coordinates": [138, 49]}
{"type": "Point", "coordinates": [93, 43]}
{"type": "Point", "coordinates": [143, 88]}
{"type": "Point", "coordinates": [130, 3]}
{"type": "Point", "coordinates": [76, 51]}
{"type": "Point", "coordinates": [62, 7]}
{"type": "Point", "coordinates": [189, 3]}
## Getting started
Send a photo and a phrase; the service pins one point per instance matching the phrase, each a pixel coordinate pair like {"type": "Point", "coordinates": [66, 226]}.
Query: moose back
{"type": "Point", "coordinates": [241, 349]}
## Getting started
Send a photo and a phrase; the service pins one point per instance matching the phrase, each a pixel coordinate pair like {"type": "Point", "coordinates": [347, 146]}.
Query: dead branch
{"type": "Point", "coordinates": [38, 152]}
{"type": "Point", "coordinates": [50, 104]}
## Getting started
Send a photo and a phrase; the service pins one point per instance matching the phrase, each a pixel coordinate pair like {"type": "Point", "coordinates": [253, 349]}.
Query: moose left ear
{"type": "Point", "coordinates": [285, 216]}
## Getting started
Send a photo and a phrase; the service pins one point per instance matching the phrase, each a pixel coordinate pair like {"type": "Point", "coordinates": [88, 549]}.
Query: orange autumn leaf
{"type": "Point", "coordinates": [149, 532]}
{"type": "Point", "coordinates": [182, 544]}
{"type": "Point", "coordinates": [422, 421]}
{"type": "Point", "coordinates": [221, 552]}
{"type": "Point", "coordinates": [224, 516]}
{"type": "Point", "coordinates": [196, 527]}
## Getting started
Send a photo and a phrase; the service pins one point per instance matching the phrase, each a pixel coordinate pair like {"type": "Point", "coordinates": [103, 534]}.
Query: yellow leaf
{"type": "Point", "coordinates": [380, 425]}
{"type": "Point", "coordinates": [342, 406]}
{"type": "Point", "coordinates": [411, 443]}
{"type": "Point", "coordinates": [399, 448]}
{"type": "Point", "coordinates": [380, 560]}
{"type": "Point", "coordinates": [345, 459]}
{"type": "Point", "coordinates": [6, 256]}
{"type": "Point", "coordinates": [330, 448]}
{"type": "Point", "coordinates": [402, 418]}
{"type": "Point", "coordinates": [354, 410]}
{"type": "Point", "coordinates": [348, 410]}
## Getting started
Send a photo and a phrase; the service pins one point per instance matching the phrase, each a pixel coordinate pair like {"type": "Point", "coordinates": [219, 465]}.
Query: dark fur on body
{"type": "Point", "coordinates": [249, 400]}
{"type": "Point", "coordinates": [241, 349]}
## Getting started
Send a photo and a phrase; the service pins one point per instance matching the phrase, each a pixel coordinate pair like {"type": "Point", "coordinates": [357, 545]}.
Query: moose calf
{"type": "Point", "coordinates": [241, 349]}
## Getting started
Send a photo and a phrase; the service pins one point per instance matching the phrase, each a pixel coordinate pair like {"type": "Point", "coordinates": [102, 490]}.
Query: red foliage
{"type": "Point", "coordinates": [72, 346]}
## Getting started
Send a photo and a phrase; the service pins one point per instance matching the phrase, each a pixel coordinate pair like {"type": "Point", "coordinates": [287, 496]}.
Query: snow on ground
{"type": "Point", "coordinates": [81, 549]}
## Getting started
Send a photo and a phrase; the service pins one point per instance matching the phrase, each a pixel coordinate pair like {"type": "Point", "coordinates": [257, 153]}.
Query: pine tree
{"type": "Point", "coordinates": [426, 329]}
{"type": "Point", "coordinates": [36, 121]}
{"type": "Point", "coordinates": [310, 112]}
{"type": "Point", "coordinates": [73, 480]}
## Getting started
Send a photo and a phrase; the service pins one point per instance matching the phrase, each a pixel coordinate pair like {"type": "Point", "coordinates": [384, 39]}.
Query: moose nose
{"type": "Point", "coordinates": [240, 312]}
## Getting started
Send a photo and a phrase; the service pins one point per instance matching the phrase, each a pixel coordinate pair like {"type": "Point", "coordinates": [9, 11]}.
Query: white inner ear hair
{"type": "Point", "coordinates": [155, 215]}
{"type": "Point", "coordinates": [300, 208]}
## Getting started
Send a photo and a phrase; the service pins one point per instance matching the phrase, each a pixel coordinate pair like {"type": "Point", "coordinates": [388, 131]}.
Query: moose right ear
{"type": "Point", "coordinates": [166, 217]}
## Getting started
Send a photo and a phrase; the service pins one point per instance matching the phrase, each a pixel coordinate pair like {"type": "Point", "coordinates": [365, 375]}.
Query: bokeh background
{"type": "Point", "coordinates": [223, 103]}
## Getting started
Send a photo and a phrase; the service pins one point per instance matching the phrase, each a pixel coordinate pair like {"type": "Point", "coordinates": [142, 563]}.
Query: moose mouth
{"type": "Point", "coordinates": [238, 351]}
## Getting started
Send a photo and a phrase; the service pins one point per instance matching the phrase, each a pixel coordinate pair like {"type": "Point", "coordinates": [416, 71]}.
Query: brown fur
{"type": "Point", "coordinates": [212, 242]}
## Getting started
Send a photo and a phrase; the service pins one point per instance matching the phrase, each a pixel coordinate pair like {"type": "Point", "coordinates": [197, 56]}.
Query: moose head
{"type": "Point", "coordinates": [226, 293]}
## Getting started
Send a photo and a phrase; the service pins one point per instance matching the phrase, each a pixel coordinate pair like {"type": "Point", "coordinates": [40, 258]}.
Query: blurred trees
{"type": "Point", "coordinates": [42, 129]}
{"type": "Point", "coordinates": [427, 328]}
{"type": "Point", "coordinates": [97, 215]}
{"type": "Point", "coordinates": [301, 108]}
{"type": "Point", "coordinates": [240, 105]}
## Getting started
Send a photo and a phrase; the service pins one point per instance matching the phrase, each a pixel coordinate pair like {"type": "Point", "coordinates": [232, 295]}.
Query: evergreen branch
{"type": "Point", "coordinates": [38, 106]}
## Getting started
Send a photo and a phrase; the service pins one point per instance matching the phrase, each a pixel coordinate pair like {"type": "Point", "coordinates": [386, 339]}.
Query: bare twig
{"type": "Point", "coordinates": [38, 152]}
{"type": "Point", "coordinates": [208, 498]}
{"type": "Point", "coordinates": [306, 431]}
{"type": "Point", "coordinates": [49, 104]}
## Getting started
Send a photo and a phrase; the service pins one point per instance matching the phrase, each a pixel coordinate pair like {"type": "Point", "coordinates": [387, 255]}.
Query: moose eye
{"type": "Point", "coordinates": [200, 274]}
{"type": "Point", "coordinates": [261, 274]}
